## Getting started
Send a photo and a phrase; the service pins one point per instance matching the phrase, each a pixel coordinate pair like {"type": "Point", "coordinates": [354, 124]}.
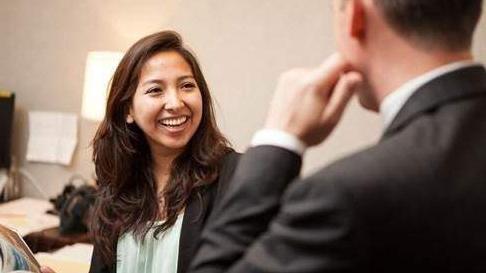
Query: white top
{"type": "Point", "coordinates": [151, 256]}
{"type": "Point", "coordinates": [389, 108]}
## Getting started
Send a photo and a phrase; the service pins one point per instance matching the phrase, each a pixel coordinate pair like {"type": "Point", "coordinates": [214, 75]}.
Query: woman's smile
{"type": "Point", "coordinates": [174, 124]}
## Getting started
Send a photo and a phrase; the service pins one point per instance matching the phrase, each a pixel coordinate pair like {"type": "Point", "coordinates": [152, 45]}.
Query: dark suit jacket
{"type": "Point", "coordinates": [195, 216]}
{"type": "Point", "coordinates": [415, 202]}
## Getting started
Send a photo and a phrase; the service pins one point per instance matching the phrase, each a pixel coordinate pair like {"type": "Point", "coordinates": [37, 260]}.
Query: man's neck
{"type": "Point", "coordinates": [387, 74]}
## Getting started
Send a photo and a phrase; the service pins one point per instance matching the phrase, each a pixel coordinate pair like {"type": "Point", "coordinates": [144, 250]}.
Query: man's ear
{"type": "Point", "coordinates": [356, 24]}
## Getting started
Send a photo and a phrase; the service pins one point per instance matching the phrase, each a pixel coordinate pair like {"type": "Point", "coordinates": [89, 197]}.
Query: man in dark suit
{"type": "Point", "coordinates": [414, 202]}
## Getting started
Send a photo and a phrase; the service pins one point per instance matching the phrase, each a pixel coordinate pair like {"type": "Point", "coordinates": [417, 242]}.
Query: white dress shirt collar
{"type": "Point", "coordinates": [393, 102]}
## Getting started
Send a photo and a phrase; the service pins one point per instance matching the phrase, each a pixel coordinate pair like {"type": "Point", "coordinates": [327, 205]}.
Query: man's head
{"type": "Point", "coordinates": [444, 24]}
{"type": "Point", "coordinates": [397, 31]}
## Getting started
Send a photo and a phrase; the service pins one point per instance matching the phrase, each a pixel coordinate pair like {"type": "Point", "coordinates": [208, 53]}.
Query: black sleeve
{"type": "Point", "coordinates": [250, 202]}
{"type": "Point", "coordinates": [312, 233]}
{"type": "Point", "coordinates": [97, 265]}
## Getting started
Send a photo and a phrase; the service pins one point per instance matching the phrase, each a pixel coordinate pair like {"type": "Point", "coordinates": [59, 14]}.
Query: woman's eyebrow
{"type": "Point", "coordinates": [158, 81]}
{"type": "Point", "coordinates": [181, 78]}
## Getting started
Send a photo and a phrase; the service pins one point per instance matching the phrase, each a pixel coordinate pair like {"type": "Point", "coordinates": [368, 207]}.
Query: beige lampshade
{"type": "Point", "coordinates": [100, 67]}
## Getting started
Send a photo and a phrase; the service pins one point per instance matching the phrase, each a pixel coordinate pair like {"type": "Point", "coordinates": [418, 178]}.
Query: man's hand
{"type": "Point", "coordinates": [308, 103]}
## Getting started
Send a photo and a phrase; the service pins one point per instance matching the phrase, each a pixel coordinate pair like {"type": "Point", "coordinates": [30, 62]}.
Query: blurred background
{"type": "Point", "coordinates": [242, 46]}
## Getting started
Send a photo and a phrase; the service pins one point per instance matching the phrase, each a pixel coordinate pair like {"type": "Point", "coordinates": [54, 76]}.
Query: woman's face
{"type": "Point", "coordinates": [167, 104]}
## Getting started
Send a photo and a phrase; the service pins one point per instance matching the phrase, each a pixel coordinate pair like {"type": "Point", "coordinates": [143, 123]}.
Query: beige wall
{"type": "Point", "coordinates": [243, 47]}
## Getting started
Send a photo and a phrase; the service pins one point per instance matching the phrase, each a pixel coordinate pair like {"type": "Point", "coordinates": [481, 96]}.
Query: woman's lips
{"type": "Point", "coordinates": [174, 124]}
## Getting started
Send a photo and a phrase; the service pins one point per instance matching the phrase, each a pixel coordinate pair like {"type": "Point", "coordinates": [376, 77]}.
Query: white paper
{"type": "Point", "coordinates": [52, 137]}
{"type": "Point", "coordinates": [79, 252]}
{"type": "Point", "coordinates": [27, 215]}
{"type": "Point", "coordinates": [73, 259]}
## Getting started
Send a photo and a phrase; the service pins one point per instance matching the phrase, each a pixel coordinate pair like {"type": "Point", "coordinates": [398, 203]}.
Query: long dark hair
{"type": "Point", "coordinates": [128, 200]}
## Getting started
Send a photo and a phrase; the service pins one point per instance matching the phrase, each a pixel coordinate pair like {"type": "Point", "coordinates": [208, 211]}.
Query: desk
{"type": "Point", "coordinates": [50, 239]}
{"type": "Point", "coordinates": [69, 259]}
{"type": "Point", "coordinates": [62, 266]}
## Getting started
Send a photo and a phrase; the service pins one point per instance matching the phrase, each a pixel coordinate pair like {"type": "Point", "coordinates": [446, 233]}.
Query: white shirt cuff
{"type": "Point", "coordinates": [280, 139]}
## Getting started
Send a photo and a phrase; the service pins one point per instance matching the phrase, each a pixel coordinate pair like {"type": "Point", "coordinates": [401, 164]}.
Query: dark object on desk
{"type": "Point", "coordinates": [6, 119]}
{"type": "Point", "coordinates": [74, 206]}
{"type": "Point", "coordinates": [61, 199]}
{"type": "Point", "coordinates": [75, 213]}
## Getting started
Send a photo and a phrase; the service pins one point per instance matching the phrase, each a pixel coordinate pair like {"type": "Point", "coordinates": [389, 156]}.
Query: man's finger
{"type": "Point", "coordinates": [327, 74]}
{"type": "Point", "coordinates": [341, 95]}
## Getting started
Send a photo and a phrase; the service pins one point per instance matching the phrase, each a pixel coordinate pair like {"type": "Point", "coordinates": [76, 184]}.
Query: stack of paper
{"type": "Point", "coordinates": [27, 215]}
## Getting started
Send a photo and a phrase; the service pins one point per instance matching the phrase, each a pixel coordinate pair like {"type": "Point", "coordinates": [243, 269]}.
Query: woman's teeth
{"type": "Point", "coordinates": [173, 122]}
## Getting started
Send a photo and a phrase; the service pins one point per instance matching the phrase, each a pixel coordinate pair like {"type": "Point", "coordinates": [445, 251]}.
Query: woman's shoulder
{"type": "Point", "coordinates": [230, 160]}
{"type": "Point", "coordinates": [227, 168]}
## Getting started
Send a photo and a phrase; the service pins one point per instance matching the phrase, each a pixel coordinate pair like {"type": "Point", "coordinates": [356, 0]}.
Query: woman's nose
{"type": "Point", "coordinates": [173, 101]}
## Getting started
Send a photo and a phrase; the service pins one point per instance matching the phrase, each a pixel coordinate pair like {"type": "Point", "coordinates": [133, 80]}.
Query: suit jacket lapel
{"type": "Point", "coordinates": [461, 84]}
{"type": "Point", "coordinates": [195, 215]}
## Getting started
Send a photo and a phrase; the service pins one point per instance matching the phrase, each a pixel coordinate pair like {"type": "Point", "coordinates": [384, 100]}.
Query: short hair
{"type": "Point", "coordinates": [445, 24]}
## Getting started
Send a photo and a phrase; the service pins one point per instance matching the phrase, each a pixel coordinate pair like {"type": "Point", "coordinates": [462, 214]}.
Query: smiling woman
{"type": "Point", "coordinates": [160, 160]}
{"type": "Point", "coordinates": [167, 104]}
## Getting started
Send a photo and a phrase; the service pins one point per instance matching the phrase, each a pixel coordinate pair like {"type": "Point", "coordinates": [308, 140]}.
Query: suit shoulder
{"type": "Point", "coordinates": [415, 152]}
{"type": "Point", "coordinates": [230, 160]}
{"type": "Point", "coordinates": [383, 170]}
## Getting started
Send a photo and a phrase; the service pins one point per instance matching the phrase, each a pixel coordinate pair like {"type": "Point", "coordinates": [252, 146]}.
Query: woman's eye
{"type": "Point", "coordinates": [153, 90]}
{"type": "Point", "coordinates": [188, 86]}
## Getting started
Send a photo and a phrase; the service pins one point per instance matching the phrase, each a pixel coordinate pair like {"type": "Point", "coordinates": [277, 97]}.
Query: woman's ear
{"type": "Point", "coordinates": [129, 119]}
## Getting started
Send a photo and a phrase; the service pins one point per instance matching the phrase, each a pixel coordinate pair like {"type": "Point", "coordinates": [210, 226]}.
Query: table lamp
{"type": "Point", "coordinates": [100, 67]}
